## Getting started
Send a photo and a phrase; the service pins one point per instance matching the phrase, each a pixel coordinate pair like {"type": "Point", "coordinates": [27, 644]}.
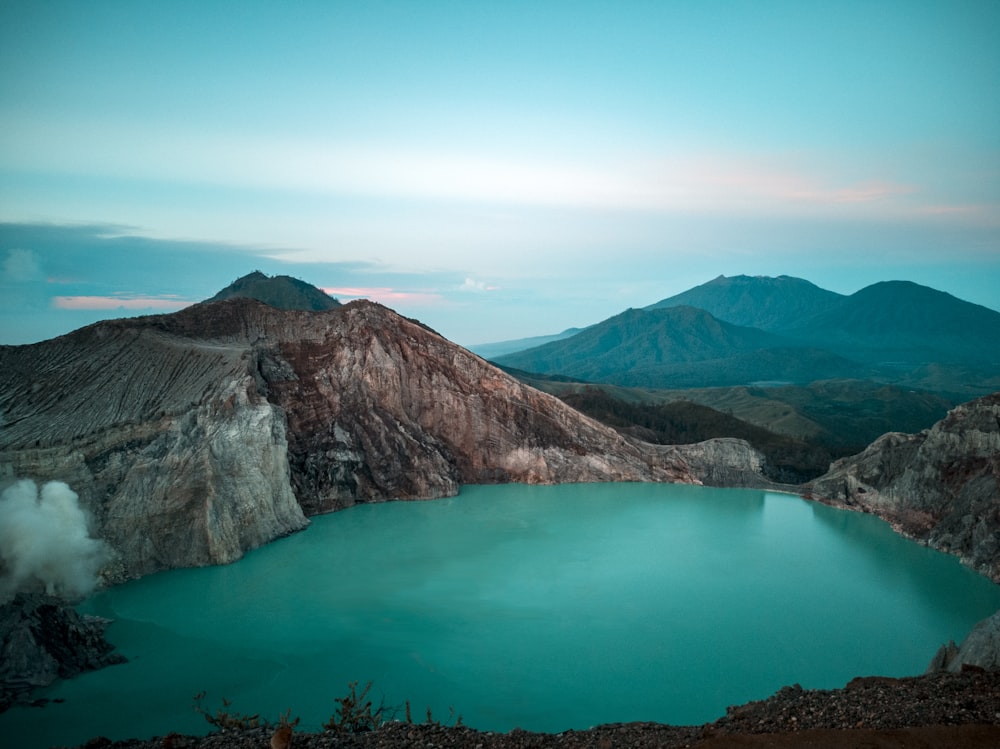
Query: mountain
{"type": "Point", "coordinates": [676, 347]}
{"type": "Point", "coordinates": [892, 332]}
{"type": "Point", "coordinates": [499, 348]}
{"type": "Point", "coordinates": [195, 436]}
{"type": "Point", "coordinates": [940, 486]}
{"type": "Point", "coordinates": [640, 339]}
{"type": "Point", "coordinates": [903, 322]}
{"type": "Point", "coordinates": [283, 292]}
{"type": "Point", "coordinates": [772, 304]}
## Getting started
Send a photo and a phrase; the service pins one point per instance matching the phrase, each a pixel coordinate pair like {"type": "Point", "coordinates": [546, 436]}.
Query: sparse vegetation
{"type": "Point", "coordinates": [789, 460]}
{"type": "Point", "coordinates": [354, 712]}
{"type": "Point", "coordinates": [226, 719]}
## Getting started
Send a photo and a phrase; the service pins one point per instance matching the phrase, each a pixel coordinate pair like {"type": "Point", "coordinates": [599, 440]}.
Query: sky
{"type": "Point", "coordinates": [495, 169]}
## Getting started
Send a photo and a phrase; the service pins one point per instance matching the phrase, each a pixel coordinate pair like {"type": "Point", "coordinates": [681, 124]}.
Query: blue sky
{"type": "Point", "coordinates": [495, 169]}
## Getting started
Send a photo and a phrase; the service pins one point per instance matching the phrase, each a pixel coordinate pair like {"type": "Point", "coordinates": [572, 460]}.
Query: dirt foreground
{"type": "Point", "coordinates": [940, 710]}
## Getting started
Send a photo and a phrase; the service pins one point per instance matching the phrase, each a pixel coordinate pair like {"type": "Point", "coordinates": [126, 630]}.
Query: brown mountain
{"type": "Point", "coordinates": [195, 436]}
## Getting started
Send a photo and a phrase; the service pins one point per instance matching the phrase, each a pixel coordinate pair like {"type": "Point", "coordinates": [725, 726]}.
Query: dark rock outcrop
{"type": "Point", "coordinates": [41, 640]}
{"type": "Point", "coordinates": [940, 487]}
{"type": "Point", "coordinates": [979, 650]}
{"type": "Point", "coordinates": [193, 437]}
{"type": "Point", "coordinates": [283, 292]}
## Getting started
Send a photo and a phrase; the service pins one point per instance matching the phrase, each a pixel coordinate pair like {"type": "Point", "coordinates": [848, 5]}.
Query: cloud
{"type": "Point", "coordinates": [168, 302]}
{"type": "Point", "coordinates": [384, 295]}
{"type": "Point", "coordinates": [676, 177]}
{"type": "Point", "coordinates": [45, 542]}
{"type": "Point", "coordinates": [472, 285]}
{"type": "Point", "coordinates": [21, 266]}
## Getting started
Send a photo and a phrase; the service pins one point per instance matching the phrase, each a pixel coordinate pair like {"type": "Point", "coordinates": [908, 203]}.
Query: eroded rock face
{"type": "Point", "coordinates": [382, 408]}
{"type": "Point", "coordinates": [941, 486]}
{"type": "Point", "coordinates": [193, 437]}
{"type": "Point", "coordinates": [173, 449]}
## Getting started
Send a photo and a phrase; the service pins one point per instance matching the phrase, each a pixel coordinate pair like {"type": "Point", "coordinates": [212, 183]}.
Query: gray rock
{"type": "Point", "coordinates": [980, 648]}
{"type": "Point", "coordinates": [941, 486]}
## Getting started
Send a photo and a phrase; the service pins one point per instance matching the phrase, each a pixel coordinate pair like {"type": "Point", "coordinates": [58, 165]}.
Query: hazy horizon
{"type": "Point", "coordinates": [497, 171]}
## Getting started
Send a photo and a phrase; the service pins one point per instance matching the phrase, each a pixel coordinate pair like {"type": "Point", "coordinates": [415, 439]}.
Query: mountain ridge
{"type": "Point", "coordinates": [894, 332]}
{"type": "Point", "coordinates": [769, 303]}
{"type": "Point", "coordinates": [903, 319]}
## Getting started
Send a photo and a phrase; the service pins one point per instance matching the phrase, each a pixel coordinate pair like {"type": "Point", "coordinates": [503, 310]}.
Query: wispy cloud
{"type": "Point", "coordinates": [124, 301]}
{"type": "Point", "coordinates": [697, 178]}
{"type": "Point", "coordinates": [20, 266]}
{"type": "Point", "coordinates": [472, 285]}
{"type": "Point", "coordinates": [385, 295]}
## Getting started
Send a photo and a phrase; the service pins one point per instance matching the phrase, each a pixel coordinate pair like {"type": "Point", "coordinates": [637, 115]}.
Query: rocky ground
{"type": "Point", "coordinates": [954, 710]}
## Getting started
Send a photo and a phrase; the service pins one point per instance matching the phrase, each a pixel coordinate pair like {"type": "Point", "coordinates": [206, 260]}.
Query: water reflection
{"type": "Point", "coordinates": [937, 579]}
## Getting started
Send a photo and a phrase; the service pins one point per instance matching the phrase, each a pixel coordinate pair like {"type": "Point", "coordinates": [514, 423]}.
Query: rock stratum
{"type": "Point", "coordinates": [940, 487]}
{"type": "Point", "coordinates": [196, 436]}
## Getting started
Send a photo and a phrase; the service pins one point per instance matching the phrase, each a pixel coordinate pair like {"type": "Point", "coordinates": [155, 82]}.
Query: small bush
{"type": "Point", "coordinates": [354, 712]}
{"type": "Point", "coordinates": [226, 719]}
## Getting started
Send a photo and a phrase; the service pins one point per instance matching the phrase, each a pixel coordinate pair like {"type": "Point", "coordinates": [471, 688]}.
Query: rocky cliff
{"type": "Point", "coordinates": [940, 487]}
{"type": "Point", "coordinates": [193, 437]}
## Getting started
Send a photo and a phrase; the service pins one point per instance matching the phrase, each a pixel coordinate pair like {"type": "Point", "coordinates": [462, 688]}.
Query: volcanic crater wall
{"type": "Point", "coordinates": [193, 437]}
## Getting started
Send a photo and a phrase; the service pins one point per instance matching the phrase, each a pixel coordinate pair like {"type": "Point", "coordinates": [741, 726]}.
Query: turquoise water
{"type": "Point", "coordinates": [544, 608]}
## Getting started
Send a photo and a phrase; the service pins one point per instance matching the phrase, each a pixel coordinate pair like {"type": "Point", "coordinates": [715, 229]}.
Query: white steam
{"type": "Point", "coordinates": [45, 542]}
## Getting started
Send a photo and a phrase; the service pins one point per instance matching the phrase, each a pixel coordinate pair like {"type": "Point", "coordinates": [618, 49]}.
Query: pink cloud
{"type": "Point", "coordinates": [120, 302]}
{"type": "Point", "coordinates": [861, 193]}
{"type": "Point", "coordinates": [948, 210]}
{"type": "Point", "coordinates": [763, 181]}
{"type": "Point", "coordinates": [385, 295]}
{"type": "Point", "coordinates": [720, 182]}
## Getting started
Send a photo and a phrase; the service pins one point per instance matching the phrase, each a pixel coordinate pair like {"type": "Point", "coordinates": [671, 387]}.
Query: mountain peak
{"type": "Point", "coordinates": [765, 302]}
{"type": "Point", "coordinates": [905, 321]}
{"type": "Point", "coordinates": [282, 292]}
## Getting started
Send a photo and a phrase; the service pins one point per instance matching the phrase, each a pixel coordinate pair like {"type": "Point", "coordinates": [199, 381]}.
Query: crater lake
{"type": "Point", "coordinates": [539, 607]}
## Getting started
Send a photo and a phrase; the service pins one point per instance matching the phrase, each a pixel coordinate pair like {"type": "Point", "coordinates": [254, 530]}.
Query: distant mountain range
{"type": "Point", "coordinates": [745, 330]}
{"type": "Point", "coordinates": [494, 350]}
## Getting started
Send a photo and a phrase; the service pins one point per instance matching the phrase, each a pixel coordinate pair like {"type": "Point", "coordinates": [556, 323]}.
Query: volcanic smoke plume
{"type": "Point", "coordinates": [45, 542]}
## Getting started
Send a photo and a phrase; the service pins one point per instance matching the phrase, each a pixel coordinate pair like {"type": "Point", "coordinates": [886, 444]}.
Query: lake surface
{"type": "Point", "coordinates": [544, 608]}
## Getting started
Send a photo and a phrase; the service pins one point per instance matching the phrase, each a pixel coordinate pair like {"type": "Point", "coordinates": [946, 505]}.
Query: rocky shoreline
{"type": "Point", "coordinates": [43, 639]}
{"type": "Point", "coordinates": [959, 710]}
